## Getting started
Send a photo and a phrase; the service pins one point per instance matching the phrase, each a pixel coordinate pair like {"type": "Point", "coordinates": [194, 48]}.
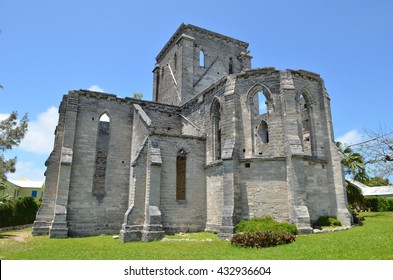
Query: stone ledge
{"type": "Point", "coordinates": [332, 229]}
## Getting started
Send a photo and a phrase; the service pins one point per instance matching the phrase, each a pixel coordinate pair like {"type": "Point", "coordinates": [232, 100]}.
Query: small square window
{"type": "Point", "coordinates": [247, 165]}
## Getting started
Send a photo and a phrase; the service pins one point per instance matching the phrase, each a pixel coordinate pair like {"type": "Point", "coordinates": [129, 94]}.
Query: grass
{"type": "Point", "coordinates": [372, 241]}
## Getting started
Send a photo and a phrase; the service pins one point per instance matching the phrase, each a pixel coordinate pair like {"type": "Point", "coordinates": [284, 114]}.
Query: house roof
{"type": "Point", "coordinates": [369, 191]}
{"type": "Point", "coordinates": [24, 183]}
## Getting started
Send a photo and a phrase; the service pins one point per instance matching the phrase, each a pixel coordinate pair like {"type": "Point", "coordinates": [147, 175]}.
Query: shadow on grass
{"type": "Point", "coordinates": [7, 236]}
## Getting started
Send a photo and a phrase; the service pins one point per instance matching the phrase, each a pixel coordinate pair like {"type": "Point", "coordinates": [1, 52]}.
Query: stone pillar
{"type": "Point", "coordinates": [335, 167]}
{"type": "Point", "coordinates": [228, 220]}
{"type": "Point", "coordinates": [45, 214]}
{"type": "Point", "coordinates": [185, 74]}
{"type": "Point", "coordinates": [299, 214]}
{"type": "Point", "coordinates": [58, 228]}
{"type": "Point", "coordinates": [152, 228]}
{"type": "Point", "coordinates": [230, 186]}
{"type": "Point", "coordinates": [342, 212]}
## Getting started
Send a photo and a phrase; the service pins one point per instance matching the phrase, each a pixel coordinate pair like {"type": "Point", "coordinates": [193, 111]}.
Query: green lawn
{"type": "Point", "coordinates": [372, 241]}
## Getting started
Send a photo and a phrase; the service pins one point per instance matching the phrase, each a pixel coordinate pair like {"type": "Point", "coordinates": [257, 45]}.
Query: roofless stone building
{"type": "Point", "coordinates": [220, 142]}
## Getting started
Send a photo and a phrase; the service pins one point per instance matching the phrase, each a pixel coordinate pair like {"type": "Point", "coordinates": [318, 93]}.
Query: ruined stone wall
{"type": "Point", "coordinates": [249, 83]}
{"type": "Point", "coordinates": [205, 124]}
{"type": "Point", "coordinates": [188, 214]}
{"type": "Point", "coordinates": [318, 190]}
{"type": "Point", "coordinates": [309, 84]}
{"type": "Point", "coordinates": [165, 120]}
{"type": "Point", "coordinates": [263, 189]}
{"type": "Point", "coordinates": [214, 196]}
{"type": "Point", "coordinates": [89, 214]}
{"type": "Point", "coordinates": [198, 109]}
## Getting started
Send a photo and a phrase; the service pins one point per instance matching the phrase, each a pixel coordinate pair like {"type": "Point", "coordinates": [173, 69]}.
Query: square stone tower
{"type": "Point", "coordinates": [194, 59]}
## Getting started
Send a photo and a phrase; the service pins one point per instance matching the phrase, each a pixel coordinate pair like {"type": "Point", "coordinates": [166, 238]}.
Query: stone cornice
{"type": "Point", "coordinates": [128, 100]}
{"type": "Point", "coordinates": [258, 71]}
{"type": "Point", "coordinates": [305, 74]}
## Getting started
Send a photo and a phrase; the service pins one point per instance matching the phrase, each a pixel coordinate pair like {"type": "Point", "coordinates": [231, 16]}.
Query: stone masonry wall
{"type": "Point", "coordinates": [263, 189]}
{"type": "Point", "coordinates": [188, 214]}
{"type": "Point", "coordinates": [249, 83]}
{"type": "Point", "coordinates": [88, 215]}
{"type": "Point", "coordinates": [318, 190]}
{"type": "Point", "coordinates": [214, 196]}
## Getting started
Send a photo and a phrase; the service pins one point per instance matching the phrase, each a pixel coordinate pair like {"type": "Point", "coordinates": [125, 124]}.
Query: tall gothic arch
{"type": "Point", "coordinates": [306, 130]}
{"type": "Point", "coordinates": [259, 101]}
{"type": "Point", "coordinates": [216, 129]}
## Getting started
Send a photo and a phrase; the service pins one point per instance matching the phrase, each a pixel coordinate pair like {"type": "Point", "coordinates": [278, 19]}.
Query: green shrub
{"type": "Point", "coordinates": [7, 210]}
{"type": "Point", "coordinates": [355, 196]}
{"type": "Point", "coordinates": [328, 221]}
{"type": "Point", "coordinates": [264, 224]}
{"type": "Point", "coordinates": [260, 239]}
{"type": "Point", "coordinates": [25, 210]}
{"type": "Point", "coordinates": [390, 202]}
{"type": "Point", "coordinates": [379, 204]}
{"type": "Point", "coordinates": [19, 212]}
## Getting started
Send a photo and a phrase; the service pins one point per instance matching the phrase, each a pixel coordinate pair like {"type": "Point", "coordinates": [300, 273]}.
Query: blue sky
{"type": "Point", "coordinates": [50, 47]}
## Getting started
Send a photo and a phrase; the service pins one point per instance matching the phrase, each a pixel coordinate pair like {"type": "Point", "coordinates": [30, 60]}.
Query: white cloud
{"type": "Point", "coordinates": [40, 135]}
{"type": "Point", "coordinates": [3, 116]}
{"type": "Point", "coordinates": [96, 88]}
{"type": "Point", "coordinates": [351, 137]}
{"type": "Point", "coordinates": [27, 170]}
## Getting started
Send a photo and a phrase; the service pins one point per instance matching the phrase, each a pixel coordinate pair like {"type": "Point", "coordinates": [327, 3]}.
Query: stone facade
{"type": "Point", "coordinates": [220, 142]}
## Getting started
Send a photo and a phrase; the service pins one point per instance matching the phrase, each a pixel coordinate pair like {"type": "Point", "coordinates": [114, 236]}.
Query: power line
{"type": "Point", "coordinates": [370, 140]}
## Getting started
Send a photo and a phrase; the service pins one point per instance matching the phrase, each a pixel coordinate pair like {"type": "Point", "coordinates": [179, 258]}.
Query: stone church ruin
{"type": "Point", "coordinates": [220, 142]}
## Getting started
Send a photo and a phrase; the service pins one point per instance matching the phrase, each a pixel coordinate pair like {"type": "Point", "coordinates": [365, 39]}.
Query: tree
{"type": "Point", "coordinates": [354, 166]}
{"type": "Point", "coordinates": [378, 151]}
{"type": "Point", "coordinates": [137, 95]}
{"type": "Point", "coordinates": [354, 163]}
{"type": "Point", "coordinates": [12, 132]}
{"type": "Point", "coordinates": [377, 181]}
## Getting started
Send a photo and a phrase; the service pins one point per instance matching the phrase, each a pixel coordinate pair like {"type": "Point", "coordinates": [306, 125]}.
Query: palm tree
{"type": "Point", "coordinates": [354, 163]}
{"type": "Point", "coordinates": [354, 166]}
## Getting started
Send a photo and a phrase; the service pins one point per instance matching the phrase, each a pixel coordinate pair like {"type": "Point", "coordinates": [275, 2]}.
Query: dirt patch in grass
{"type": "Point", "coordinates": [17, 236]}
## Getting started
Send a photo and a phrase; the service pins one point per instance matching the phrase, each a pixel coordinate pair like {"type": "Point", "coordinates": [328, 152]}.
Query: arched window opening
{"type": "Point", "coordinates": [305, 124]}
{"type": "Point", "coordinates": [104, 118]}
{"type": "Point", "coordinates": [201, 58]}
{"type": "Point", "coordinates": [260, 108]}
{"type": "Point", "coordinates": [102, 145]}
{"type": "Point", "coordinates": [263, 132]}
{"type": "Point", "coordinates": [216, 133]}
{"type": "Point", "coordinates": [260, 103]}
{"type": "Point", "coordinates": [157, 85]}
{"type": "Point", "coordinates": [181, 164]}
{"type": "Point", "coordinates": [230, 66]}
